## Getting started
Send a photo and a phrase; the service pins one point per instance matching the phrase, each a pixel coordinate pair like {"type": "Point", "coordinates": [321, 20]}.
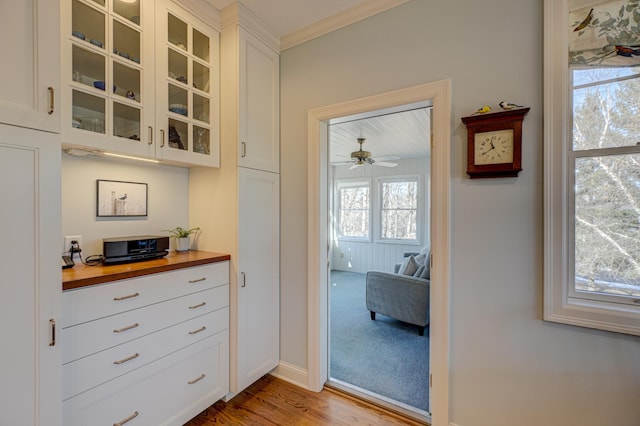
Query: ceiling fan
{"type": "Point", "coordinates": [361, 157]}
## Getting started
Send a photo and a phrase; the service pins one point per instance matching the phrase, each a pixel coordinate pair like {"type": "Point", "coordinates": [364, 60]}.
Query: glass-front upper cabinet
{"type": "Point", "coordinates": [108, 74]}
{"type": "Point", "coordinates": [187, 90]}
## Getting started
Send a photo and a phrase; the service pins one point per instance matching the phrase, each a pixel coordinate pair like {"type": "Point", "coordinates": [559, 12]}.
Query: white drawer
{"type": "Point", "coordinates": [89, 303]}
{"type": "Point", "coordinates": [160, 393]}
{"type": "Point", "coordinates": [86, 373]}
{"type": "Point", "coordinates": [91, 337]}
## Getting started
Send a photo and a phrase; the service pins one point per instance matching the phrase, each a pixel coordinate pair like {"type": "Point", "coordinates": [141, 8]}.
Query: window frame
{"type": "Point", "coordinates": [559, 304]}
{"type": "Point", "coordinates": [400, 178]}
{"type": "Point", "coordinates": [353, 183]}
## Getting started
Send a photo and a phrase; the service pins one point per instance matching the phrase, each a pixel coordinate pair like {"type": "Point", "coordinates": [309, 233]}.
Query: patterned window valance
{"type": "Point", "coordinates": [605, 34]}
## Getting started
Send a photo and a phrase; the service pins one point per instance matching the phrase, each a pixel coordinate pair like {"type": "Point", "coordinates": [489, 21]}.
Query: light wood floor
{"type": "Point", "coordinates": [272, 401]}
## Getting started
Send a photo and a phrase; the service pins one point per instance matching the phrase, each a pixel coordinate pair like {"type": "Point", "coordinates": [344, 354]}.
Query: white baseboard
{"type": "Point", "coordinates": [292, 374]}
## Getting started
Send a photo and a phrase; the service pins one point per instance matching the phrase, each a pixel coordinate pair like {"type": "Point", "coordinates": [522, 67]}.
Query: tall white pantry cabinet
{"type": "Point", "coordinates": [30, 287]}
{"type": "Point", "coordinates": [251, 78]}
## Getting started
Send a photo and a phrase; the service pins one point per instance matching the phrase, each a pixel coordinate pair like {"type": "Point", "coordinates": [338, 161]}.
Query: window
{"type": "Point", "coordinates": [592, 165]}
{"type": "Point", "coordinates": [354, 202]}
{"type": "Point", "coordinates": [399, 209]}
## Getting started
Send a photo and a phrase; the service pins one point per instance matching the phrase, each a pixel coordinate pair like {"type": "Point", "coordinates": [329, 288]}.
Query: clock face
{"type": "Point", "coordinates": [495, 147]}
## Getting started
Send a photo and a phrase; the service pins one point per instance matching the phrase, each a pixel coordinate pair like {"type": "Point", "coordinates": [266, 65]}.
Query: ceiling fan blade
{"type": "Point", "coordinates": [387, 158]}
{"type": "Point", "coordinates": [385, 164]}
{"type": "Point", "coordinates": [355, 166]}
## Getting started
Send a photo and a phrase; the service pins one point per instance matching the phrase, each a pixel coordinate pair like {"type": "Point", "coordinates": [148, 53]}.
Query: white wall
{"type": "Point", "coordinates": [358, 256]}
{"type": "Point", "coordinates": [168, 190]}
{"type": "Point", "coordinates": [507, 365]}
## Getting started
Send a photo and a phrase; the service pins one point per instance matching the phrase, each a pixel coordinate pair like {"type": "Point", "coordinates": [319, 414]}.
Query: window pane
{"type": "Point", "coordinates": [398, 195]}
{"type": "Point", "coordinates": [399, 224]}
{"type": "Point", "coordinates": [354, 212]}
{"type": "Point", "coordinates": [607, 224]}
{"type": "Point", "coordinates": [354, 223]}
{"type": "Point", "coordinates": [603, 108]}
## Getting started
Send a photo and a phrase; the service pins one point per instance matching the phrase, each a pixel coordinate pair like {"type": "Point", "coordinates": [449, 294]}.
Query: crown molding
{"type": "Point", "coordinates": [238, 14]}
{"type": "Point", "coordinates": [203, 10]}
{"type": "Point", "coordinates": [340, 20]}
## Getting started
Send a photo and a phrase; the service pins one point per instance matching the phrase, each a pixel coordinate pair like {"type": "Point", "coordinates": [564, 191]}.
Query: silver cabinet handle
{"type": "Point", "coordinates": [197, 379]}
{"type": "Point", "coordinates": [127, 359]}
{"type": "Point", "coordinates": [52, 102]}
{"type": "Point", "coordinates": [130, 296]}
{"type": "Point", "coordinates": [197, 280]}
{"type": "Point", "coordinates": [244, 149]}
{"type": "Point", "coordinates": [52, 324]}
{"type": "Point", "coordinates": [161, 138]}
{"type": "Point", "coordinates": [199, 305]}
{"type": "Point", "coordinates": [203, 328]}
{"type": "Point", "coordinates": [126, 420]}
{"type": "Point", "coordinates": [123, 329]}
{"type": "Point", "coordinates": [150, 135]}
{"type": "Point", "coordinates": [244, 279]}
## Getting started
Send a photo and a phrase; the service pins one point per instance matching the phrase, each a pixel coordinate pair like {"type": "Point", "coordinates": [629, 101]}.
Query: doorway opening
{"type": "Point", "coordinates": [318, 266]}
{"type": "Point", "coordinates": [378, 182]}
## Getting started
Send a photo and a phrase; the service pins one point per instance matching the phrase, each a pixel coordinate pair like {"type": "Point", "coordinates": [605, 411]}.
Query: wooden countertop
{"type": "Point", "coordinates": [82, 275]}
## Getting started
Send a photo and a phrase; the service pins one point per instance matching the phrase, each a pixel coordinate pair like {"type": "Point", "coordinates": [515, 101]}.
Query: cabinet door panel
{"type": "Point", "coordinates": [30, 285]}
{"type": "Point", "coordinates": [31, 53]}
{"type": "Point", "coordinates": [259, 87]}
{"type": "Point", "coordinates": [258, 280]}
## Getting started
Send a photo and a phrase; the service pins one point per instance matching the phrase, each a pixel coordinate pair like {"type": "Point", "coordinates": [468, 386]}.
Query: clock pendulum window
{"type": "Point", "coordinates": [494, 143]}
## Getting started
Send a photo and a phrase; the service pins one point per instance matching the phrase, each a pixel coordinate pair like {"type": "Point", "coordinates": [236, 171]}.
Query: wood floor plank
{"type": "Point", "coordinates": [271, 401]}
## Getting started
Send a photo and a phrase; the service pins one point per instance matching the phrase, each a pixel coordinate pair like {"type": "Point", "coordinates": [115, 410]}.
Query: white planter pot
{"type": "Point", "coordinates": [183, 244]}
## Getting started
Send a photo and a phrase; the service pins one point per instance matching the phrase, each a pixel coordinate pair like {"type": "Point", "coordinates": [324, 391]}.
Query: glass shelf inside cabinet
{"type": "Point", "coordinates": [129, 10]}
{"type": "Point", "coordinates": [201, 140]}
{"type": "Point", "coordinates": [87, 67]}
{"type": "Point", "coordinates": [177, 32]}
{"type": "Point", "coordinates": [88, 112]}
{"type": "Point", "coordinates": [178, 136]}
{"type": "Point", "coordinates": [126, 42]}
{"type": "Point", "coordinates": [200, 77]}
{"type": "Point", "coordinates": [178, 66]}
{"type": "Point", "coordinates": [88, 24]}
{"type": "Point", "coordinates": [126, 81]}
{"type": "Point", "coordinates": [200, 45]}
{"type": "Point", "coordinates": [126, 121]}
{"type": "Point", "coordinates": [178, 100]}
{"type": "Point", "coordinates": [201, 108]}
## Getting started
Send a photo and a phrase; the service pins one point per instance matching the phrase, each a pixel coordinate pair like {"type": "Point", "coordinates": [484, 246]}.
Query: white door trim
{"type": "Point", "coordinates": [439, 93]}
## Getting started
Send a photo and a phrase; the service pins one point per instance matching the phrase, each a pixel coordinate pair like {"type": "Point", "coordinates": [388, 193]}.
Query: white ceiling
{"type": "Point", "coordinates": [404, 134]}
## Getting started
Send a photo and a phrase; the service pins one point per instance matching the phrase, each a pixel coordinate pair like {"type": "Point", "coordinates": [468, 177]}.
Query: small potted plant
{"type": "Point", "coordinates": [183, 242]}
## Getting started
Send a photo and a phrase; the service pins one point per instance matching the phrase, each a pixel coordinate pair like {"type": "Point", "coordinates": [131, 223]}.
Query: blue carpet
{"type": "Point", "coordinates": [384, 356]}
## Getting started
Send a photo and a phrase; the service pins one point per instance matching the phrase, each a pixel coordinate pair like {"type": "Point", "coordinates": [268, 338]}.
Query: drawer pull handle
{"type": "Point", "coordinates": [52, 102]}
{"type": "Point", "coordinates": [199, 305]}
{"type": "Point", "coordinates": [123, 329]}
{"type": "Point", "coordinates": [127, 359]}
{"type": "Point", "coordinates": [197, 379]}
{"type": "Point", "coordinates": [150, 136]}
{"type": "Point", "coordinates": [127, 420]}
{"type": "Point", "coordinates": [130, 296]}
{"type": "Point", "coordinates": [52, 323]}
{"type": "Point", "coordinates": [197, 281]}
{"type": "Point", "coordinates": [203, 328]}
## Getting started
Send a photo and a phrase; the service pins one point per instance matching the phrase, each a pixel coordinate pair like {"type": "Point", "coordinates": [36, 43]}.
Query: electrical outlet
{"type": "Point", "coordinates": [67, 242]}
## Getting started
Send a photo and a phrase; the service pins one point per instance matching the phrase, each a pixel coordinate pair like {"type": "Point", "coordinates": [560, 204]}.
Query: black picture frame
{"type": "Point", "coordinates": [116, 198]}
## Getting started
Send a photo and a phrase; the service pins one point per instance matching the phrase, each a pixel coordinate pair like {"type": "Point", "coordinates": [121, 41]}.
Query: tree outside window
{"type": "Point", "coordinates": [399, 201]}
{"type": "Point", "coordinates": [354, 204]}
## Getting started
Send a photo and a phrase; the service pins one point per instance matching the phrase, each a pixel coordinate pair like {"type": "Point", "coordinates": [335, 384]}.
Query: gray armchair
{"type": "Point", "coordinates": [399, 296]}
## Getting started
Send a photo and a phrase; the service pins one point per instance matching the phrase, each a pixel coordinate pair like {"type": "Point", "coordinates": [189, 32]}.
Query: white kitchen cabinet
{"type": "Point", "coordinates": [259, 277]}
{"type": "Point", "coordinates": [153, 348]}
{"type": "Point", "coordinates": [29, 88]}
{"type": "Point", "coordinates": [258, 104]}
{"type": "Point", "coordinates": [30, 294]}
{"type": "Point", "coordinates": [140, 78]}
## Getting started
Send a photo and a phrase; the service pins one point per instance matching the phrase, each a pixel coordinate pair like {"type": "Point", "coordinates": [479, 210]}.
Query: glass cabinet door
{"type": "Point", "coordinates": [190, 86]}
{"type": "Point", "coordinates": [106, 75]}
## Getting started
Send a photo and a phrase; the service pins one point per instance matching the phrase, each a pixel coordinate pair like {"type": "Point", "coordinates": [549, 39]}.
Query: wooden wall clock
{"type": "Point", "coordinates": [494, 143]}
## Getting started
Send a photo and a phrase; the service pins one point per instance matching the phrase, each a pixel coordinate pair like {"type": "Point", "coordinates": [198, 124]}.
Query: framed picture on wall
{"type": "Point", "coordinates": [121, 199]}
